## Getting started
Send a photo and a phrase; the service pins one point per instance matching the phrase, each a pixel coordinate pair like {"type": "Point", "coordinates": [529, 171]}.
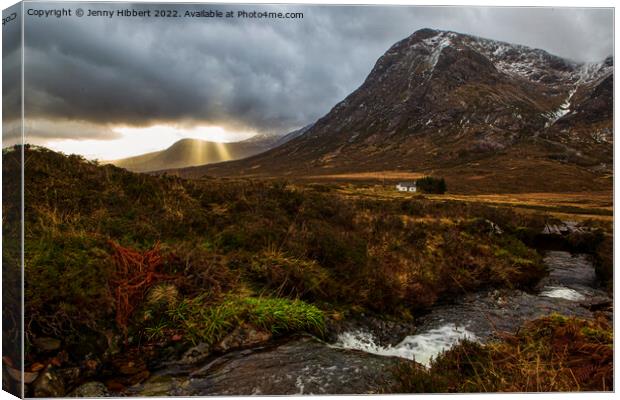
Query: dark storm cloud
{"type": "Point", "coordinates": [265, 75]}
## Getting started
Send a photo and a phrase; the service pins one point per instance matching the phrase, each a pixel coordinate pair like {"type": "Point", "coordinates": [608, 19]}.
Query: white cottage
{"type": "Point", "coordinates": [406, 187]}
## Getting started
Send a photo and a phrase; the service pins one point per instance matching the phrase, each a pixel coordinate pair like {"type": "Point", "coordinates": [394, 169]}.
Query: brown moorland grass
{"type": "Point", "coordinates": [311, 242]}
{"type": "Point", "coordinates": [244, 251]}
{"type": "Point", "coordinates": [550, 354]}
{"type": "Point", "coordinates": [570, 205]}
{"type": "Point", "coordinates": [369, 176]}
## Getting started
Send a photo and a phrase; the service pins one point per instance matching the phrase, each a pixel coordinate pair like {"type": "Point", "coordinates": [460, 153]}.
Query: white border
{"type": "Point", "coordinates": [504, 3]}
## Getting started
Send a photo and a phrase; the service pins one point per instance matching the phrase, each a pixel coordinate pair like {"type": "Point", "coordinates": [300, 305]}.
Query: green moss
{"type": "Point", "coordinates": [232, 239]}
{"type": "Point", "coordinates": [597, 334]}
{"type": "Point", "coordinates": [499, 252]}
{"type": "Point", "coordinates": [67, 285]}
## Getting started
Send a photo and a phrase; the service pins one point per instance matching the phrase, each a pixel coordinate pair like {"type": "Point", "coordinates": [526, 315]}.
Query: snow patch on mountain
{"type": "Point", "coordinates": [586, 73]}
{"type": "Point", "coordinates": [562, 110]}
{"type": "Point", "coordinates": [590, 72]}
{"type": "Point", "coordinates": [437, 43]}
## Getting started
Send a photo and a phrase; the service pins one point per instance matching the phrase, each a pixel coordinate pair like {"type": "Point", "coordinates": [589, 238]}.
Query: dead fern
{"type": "Point", "coordinates": [135, 273]}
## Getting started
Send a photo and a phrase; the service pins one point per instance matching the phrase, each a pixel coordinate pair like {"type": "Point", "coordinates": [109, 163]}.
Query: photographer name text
{"type": "Point", "coordinates": [160, 13]}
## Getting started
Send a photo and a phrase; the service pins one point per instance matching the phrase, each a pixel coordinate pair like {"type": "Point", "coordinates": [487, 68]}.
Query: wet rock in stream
{"type": "Point", "coordinates": [574, 271]}
{"type": "Point", "coordinates": [385, 332]}
{"type": "Point", "coordinates": [300, 365]}
{"type": "Point", "coordinates": [241, 337]}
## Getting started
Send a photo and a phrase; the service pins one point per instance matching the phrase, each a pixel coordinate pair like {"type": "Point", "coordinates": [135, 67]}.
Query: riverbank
{"type": "Point", "coordinates": [492, 322]}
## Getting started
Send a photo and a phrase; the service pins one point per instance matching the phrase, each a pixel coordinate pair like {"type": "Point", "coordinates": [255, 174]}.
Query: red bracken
{"type": "Point", "coordinates": [135, 273]}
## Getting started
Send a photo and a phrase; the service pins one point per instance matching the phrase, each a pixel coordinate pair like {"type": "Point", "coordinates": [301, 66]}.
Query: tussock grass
{"type": "Point", "coordinates": [550, 354]}
{"type": "Point", "coordinates": [289, 276]}
{"type": "Point", "coordinates": [164, 293]}
{"type": "Point", "coordinates": [209, 323]}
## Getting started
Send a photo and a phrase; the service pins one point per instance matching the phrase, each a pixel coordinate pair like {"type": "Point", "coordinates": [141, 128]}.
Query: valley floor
{"type": "Point", "coordinates": [579, 206]}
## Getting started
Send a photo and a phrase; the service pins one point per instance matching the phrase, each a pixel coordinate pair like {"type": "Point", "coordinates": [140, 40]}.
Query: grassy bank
{"type": "Point", "coordinates": [554, 354]}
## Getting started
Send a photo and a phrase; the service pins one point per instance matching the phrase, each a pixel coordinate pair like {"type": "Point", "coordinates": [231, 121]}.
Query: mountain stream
{"type": "Point", "coordinates": [356, 362]}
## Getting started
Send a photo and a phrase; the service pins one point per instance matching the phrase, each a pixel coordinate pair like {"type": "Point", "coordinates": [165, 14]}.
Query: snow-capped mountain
{"type": "Point", "coordinates": [441, 100]}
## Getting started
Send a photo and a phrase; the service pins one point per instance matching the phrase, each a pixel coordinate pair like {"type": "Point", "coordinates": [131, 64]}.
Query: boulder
{"type": "Point", "coordinates": [242, 336]}
{"type": "Point", "coordinates": [196, 354]}
{"type": "Point", "coordinates": [46, 344]}
{"type": "Point", "coordinates": [90, 389]}
{"type": "Point", "coordinates": [70, 376]}
{"type": "Point", "coordinates": [49, 384]}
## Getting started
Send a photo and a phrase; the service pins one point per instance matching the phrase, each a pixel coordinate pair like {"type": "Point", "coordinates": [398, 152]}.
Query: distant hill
{"type": "Point", "coordinates": [189, 152]}
{"type": "Point", "coordinates": [193, 152]}
{"type": "Point", "coordinates": [481, 112]}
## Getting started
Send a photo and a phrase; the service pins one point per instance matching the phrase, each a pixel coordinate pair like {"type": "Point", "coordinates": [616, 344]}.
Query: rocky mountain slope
{"type": "Point", "coordinates": [467, 107]}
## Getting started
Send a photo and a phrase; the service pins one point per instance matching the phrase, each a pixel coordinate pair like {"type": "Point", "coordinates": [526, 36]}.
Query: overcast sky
{"type": "Point", "coordinates": [106, 87]}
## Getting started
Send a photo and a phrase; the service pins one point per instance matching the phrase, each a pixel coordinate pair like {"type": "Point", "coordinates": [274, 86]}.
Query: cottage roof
{"type": "Point", "coordinates": [406, 183]}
